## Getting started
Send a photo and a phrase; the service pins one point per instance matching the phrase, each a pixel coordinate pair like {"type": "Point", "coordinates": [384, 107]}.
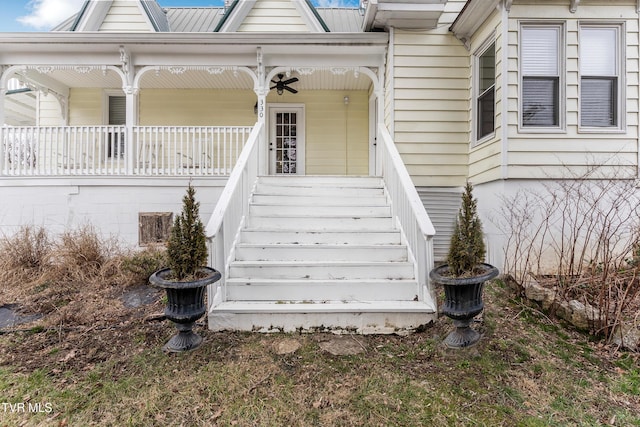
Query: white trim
{"type": "Point", "coordinates": [475, 93]}
{"type": "Point", "coordinates": [621, 125]}
{"type": "Point", "coordinates": [504, 87]}
{"type": "Point", "coordinates": [562, 70]}
{"type": "Point", "coordinates": [299, 109]}
{"type": "Point", "coordinates": [94, 15]}
{"type": "Point", "coordinates": [391, 126]}
{"type": "Point", "coordinates": [106, 94]}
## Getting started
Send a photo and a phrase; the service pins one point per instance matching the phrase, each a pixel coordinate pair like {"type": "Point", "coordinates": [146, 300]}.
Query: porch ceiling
{"type": "Point", "coordinates": [176, 77]}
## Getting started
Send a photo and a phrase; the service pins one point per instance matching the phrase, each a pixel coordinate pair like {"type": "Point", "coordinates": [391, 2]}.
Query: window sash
{"type": "Point", "coordinates": [540, 50]}
{"type": "Point", "coordinates": [599, 76]}
{"type": "Point", "coordinates": [599, 101]}
{"type": "Point", "coordinates": [486, 112]}
{"type": "Point", "coordinates": [485, 79]}
{"type": "Point", "coordinates": [540, 101]}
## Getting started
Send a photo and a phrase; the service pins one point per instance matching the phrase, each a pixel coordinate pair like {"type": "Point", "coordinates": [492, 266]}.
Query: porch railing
{"type": "Point", "coordinates": [105, 150]}
{"type": "Point", "coordinates": [230, 212]}
{"type": "Point", "coordinates": [407, 208]}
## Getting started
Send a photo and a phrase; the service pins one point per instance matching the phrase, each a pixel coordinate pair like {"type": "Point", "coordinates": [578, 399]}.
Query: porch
{"type": "Point", "coordinates": [53, 151]}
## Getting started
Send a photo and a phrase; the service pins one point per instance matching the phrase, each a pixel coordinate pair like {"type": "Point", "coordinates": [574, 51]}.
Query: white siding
{"type": "Point", "coordinates": [485, 158]}
{"type": "Point", "coordinates": [273, 16]}
{"type": "Point", "coordinates": [571, 152]}
{"type": "Point", "coordinates": [126, 16]}
{"type": "Point", "coordinates": [431, 106]}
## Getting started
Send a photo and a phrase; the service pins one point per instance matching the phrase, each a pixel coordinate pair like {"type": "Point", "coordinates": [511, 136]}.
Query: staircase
{"type": "Point", "coordinates": [321, 253]}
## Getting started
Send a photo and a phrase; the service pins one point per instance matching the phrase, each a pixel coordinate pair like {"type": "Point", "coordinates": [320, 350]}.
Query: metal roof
{"type": "Point", "coordinates": [194, 19]}
{"type": "Point", "coordinates": [342, 20]}
{"type": "Point", "coordinates": [205, 19]}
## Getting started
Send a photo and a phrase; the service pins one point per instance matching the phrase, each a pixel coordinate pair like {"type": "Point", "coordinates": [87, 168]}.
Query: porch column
{"type": "Point", "coordinates": [131, 94]}
{"type": "Point", "coordinates": [263, 153]}
{"type": "Point", "coordinates": [3, 94]}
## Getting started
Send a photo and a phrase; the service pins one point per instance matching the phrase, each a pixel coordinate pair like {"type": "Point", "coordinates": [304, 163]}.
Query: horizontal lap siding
{"type": "Point", "coordinates": [485, 158]}
{"type": "Point", "coordinates": [273, 15]}
{"type": "Point", "coordinates": [572, 152]}
{"type": "Point", "coordinates": [196, 107]}
{"type": "Point", "coordinates": [86, 107]}
{"type": "Point", "coordinates": [125, 15]}
{"type": "Point", "coordinates": [431, 106]}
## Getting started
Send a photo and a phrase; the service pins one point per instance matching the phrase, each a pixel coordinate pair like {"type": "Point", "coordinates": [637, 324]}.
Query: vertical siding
{"type": "Point", "coordinates": [125, 15]}
{"type": "Point", "coordinates": [485, 158]}
{"type": "Point", "coordinates": [570, 151]}
{"type": "Point", "coordinates": [273, 15]}
{"type": "Point", "coordinates": [431, 106]}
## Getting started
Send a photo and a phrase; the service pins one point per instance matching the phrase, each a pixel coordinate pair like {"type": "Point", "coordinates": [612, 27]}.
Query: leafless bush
{"type": "Point", "coordinates": [24, 253]}
{"type": "Point", "coordinates": [580, 235]}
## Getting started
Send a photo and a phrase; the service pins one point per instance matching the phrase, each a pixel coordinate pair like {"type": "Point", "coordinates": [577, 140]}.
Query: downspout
{"type": "Point", "coordinates": [504, 22]}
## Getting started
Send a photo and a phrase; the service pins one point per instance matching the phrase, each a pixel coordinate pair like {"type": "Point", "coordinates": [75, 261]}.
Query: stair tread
{"type": "Point", "coordinates": [324, 306]}
{"type": "Point", "coordinates": [318, 263]}
{"type": "Point", "coordinates": [262, 280]}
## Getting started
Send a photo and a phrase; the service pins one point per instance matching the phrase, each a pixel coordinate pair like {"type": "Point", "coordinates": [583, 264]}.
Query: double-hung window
{"type": "Point", "coordinates": [486, 98]}
{"type": "Point", "coordinates": [599, 76]}
{"type": "Point", "coordinates": [540, 53]}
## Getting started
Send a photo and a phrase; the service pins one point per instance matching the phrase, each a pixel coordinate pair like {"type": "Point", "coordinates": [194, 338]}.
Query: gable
{"type": "Point", "coordinates": [121, 16]}
{"type": "Point", "coordinates": [272, 16]}
{"type": "Point", "coordinates": [125, 15]}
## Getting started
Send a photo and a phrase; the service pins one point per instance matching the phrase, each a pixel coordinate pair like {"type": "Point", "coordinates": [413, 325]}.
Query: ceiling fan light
{"type": "Point", "coordinates": [279, 90]}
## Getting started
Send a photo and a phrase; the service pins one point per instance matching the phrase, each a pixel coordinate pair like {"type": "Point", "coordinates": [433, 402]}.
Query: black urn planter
{"type": "Point", "coordinates": [185, 305]}
{"type": "Point", "coordinates": [462, 302]}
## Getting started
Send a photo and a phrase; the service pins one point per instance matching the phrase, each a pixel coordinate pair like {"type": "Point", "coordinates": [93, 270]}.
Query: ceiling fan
{"type": "Point", "coordinates": [281, 86]}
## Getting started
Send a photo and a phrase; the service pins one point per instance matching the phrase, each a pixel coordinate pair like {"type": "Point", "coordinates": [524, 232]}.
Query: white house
{"type": "Point", "coordinates": [379, 111]}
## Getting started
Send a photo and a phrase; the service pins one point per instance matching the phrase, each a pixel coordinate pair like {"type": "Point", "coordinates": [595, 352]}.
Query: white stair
{"type": "Point", "coordinates": [321, 253]}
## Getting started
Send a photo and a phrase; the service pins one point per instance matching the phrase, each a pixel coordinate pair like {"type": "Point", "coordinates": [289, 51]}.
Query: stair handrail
{"type": "Point", "coordinates": [230, 212]}
{"type": "Point", "coordinates": [407, 208]}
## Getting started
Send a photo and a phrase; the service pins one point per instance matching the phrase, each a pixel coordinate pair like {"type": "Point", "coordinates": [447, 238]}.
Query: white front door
{"type": "Point", "coordinates": [286, 139]}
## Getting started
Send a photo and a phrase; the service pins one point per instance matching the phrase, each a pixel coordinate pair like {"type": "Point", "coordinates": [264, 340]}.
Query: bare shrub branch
{"type": "Point", "coordinates": [581, 234]}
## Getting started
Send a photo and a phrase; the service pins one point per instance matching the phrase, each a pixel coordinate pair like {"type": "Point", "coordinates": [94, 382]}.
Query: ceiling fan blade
{"type": "Point", "coordinates": [273, 87]}
{"type": "Point", "coordinates": [290, 89]}
{"type": "Point", "coordinates": [291, 80]}
{"type": "Point", "coordinates": [275, 82]}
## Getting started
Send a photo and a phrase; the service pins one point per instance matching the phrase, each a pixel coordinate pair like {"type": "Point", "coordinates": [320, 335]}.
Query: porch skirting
{"type": "Point", "coordinates": [110, 204]}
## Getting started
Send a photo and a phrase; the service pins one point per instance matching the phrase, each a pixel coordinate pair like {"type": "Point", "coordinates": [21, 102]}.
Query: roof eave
{"type": "Point", "coordinates": [472, 16]}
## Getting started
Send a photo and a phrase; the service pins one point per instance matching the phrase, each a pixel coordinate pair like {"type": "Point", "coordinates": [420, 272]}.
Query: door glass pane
{"type": "Point", "coordinates": [285, 143]}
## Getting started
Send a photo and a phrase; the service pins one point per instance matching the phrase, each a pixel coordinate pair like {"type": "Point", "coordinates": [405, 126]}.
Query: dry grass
{"type": "Point", "coordinates": [97, 362]}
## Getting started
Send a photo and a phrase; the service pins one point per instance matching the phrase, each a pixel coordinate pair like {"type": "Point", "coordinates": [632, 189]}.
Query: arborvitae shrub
{"type": "Point", "coordinates": [187, 246]}
{"type": "Point", "coordinates": [467, 245]}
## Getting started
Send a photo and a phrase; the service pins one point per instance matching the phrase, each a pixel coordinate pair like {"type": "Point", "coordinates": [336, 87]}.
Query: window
{"type": "Point", "coordinates": [599, 76]}
{"type": "Point", "coordinates": [154, 227]}
{"type": "Point", "coordinates": [540, 69]}
{"type": "Point", "coordinates": [485, 103]}
{"type": "Point", "coordinates": [117, 117]}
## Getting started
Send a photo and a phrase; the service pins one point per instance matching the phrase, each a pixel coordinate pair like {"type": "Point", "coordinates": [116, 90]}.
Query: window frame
{"type": "Point", "coordinates": [477, 94]}
{"type": "Point", "coordinates": [620, 95]}
{"type": "Point", "coordinates": [560, 27]}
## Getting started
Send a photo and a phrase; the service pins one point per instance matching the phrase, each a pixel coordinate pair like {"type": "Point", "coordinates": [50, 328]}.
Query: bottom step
{"type": "Point", "coordinates": [362, 317]}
